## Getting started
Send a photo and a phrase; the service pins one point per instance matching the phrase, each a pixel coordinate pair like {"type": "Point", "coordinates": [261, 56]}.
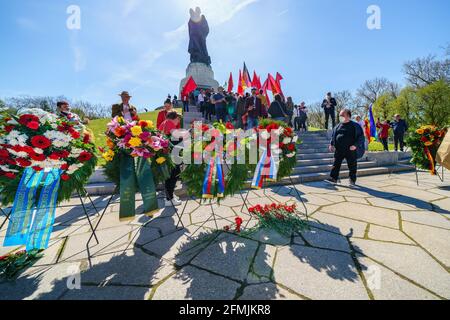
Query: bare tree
{"type": "Point", "coordinates": [371, 90]}
{"type": "Point", "coordinates": [425, 71]}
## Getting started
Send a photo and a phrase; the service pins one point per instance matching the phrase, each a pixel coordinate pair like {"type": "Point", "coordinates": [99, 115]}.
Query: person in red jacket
{"type": "Point", "coordinates": [383, 134]}
{"type": "Point", "coordinates": [162, 115]}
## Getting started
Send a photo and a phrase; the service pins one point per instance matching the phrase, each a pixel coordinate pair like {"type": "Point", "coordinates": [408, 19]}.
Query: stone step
{"type": "Point", "coordinates": [303, 151]}
{"type": "Point", "coordinates": [314, 145]}
{"type": "Point", "coordinates": [327, 168]}
{"type": "Point", "coordinates": [314, 162]}
{"type": "Point", "coordinates": [311, 156]}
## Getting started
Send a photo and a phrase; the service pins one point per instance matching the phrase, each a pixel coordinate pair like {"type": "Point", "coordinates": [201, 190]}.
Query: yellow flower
{"type": "Point", "coordinates": [120, 120]}
{"type": "Point", "coordinates": [420, 131]}
{"type": "Point", "coordinates": [151, 125]}
{"type": "Point", "coordinates": [110, 143]}
{"type": "Point", "coordinates": [136, 131]}
{"type": "Point", "coordinates": [161, 160]}
{"type": "Point", "coordinates": [109, 155]}
{"type": "Point", "coordinates": [135, 142]}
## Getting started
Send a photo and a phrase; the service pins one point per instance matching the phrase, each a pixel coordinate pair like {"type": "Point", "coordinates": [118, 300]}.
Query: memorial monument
{"type": "Point", "coordinates": [200, 66]}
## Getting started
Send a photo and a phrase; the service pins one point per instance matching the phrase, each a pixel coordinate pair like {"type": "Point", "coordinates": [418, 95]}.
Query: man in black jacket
{"type": "Point", "coordinates": [344, 142]}
{"type": "Point", "coordinates": [329, 106]}
{"type": "Point", "coordinates": [400, 128]}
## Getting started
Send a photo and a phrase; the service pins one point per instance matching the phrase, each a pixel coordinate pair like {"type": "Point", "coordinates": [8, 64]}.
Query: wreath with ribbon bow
{"type": "Point", "coordinates": [425, 143]}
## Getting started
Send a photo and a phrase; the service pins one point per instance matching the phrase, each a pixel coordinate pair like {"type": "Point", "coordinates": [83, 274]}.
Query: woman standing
{"type": "Point", "coordinates": [278, 110]}
{"type": "Point", "coordinates": [290, 110]}
{"type": "Point", "coordinates": [384, 133]}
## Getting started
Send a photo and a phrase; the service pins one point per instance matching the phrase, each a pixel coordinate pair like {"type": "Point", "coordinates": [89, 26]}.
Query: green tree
{"type": "Point", "coordinates": [383, 106]}
{"type": "Point", "coordinates": [434, 106]}
{"type": "Point", "coordinates": [406, 105]}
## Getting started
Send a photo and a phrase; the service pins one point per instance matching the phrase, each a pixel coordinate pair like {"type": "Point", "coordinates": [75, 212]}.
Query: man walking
{"type": "Point", "coordinates": [400, 128]}
{"type": "Point", "coordinates": [329, 106]}
{"type": "Point", "coordinates": [345, 139]}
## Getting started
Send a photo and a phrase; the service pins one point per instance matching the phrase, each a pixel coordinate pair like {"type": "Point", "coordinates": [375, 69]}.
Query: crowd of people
{"type": "Point", "coordinates": [246, 110]}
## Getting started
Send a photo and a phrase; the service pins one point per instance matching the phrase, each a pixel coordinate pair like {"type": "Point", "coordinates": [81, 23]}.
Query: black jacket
{"type": "Point", "coordinates": [333, 104]}
{"type": "Point", "coordinates": [355, 138]}
{"type": "Point", "coordinates": [278, 110]}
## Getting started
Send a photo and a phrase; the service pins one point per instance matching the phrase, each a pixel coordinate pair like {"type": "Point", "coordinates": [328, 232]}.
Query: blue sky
{"type": "Point", "coordinates": [141, 45]}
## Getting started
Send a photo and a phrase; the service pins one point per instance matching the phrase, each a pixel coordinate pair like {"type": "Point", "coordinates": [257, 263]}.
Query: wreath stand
{"type": "Point", "coordinates": [440, 175]}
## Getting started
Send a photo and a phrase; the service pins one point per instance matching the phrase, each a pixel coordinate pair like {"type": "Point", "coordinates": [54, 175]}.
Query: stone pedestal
{"type": "Point", "coordinates": [203, 75]}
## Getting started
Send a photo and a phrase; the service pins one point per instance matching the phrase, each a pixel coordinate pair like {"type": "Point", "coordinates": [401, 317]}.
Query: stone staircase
{"type": "Point", "coordinates": [314, 162]}
{"type": "Point", "coordinates": [189, 117]}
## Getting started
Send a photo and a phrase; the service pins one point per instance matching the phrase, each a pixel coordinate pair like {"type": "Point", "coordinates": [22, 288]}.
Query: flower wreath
{"type": "Point", "coordinates": [227, 177]}
{"type": "Point", "coordinates": [137, 138]}
{"type": "Point", "coordinates": [425, 143]}
{"type": "Point", "coordinates": [40, 140]}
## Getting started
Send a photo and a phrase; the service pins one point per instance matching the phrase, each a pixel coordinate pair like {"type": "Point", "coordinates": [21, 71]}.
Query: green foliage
{"type": "Point", "coordinates": [406, 105]}
{"type": "Point", "coordinates": [11, 265]}
{"type": "Point", "coordinates": [434, 108]}
{"type": "Point", "coordinates": [383, 107]}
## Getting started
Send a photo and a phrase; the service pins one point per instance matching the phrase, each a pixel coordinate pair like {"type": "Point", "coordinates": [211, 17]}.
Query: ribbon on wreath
{"type": "Point", "coordinates": [136, 174]}
{"type": "Point", "coordinates": [214, 182]}
{"type": "Point", "coordinates": [430, 158]}
{"type": "Point", "coordinates": [32, 221]}
{"type": "Point", "coordinates": [266, 170]}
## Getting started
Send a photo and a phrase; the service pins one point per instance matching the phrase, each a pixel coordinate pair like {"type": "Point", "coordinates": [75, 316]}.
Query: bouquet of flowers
{"type": "Point", "coordinates": [425, 143]}
{"type": "Point", "coordinates": [278, 141]}
{"type": "Point", "coordinates": [41, 141]}
{"type": "Point", "coordinates": [215, 170]}
{"type": "Point", "coordinates": [138, 139]}
{"type": "Point", "coordinates": [284, 219]}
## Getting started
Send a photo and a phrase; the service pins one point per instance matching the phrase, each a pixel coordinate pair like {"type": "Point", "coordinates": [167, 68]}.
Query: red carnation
{"type": "Point", "coordinates": [4, 154]}
{"type": "Point", "coordinates": [8, 129]}
{"type": "Point", "coordinates": [37, 157]}
{"type": "Point", "coordinates": [143, 124]}
{"type": "Point", "coordinates": [65, 177]}
{"type": "Point", "coordinates": [33, 125]}
{"type": "Point", "coordinates": [75, 134]}
{"type": "Point", "coordinates": [41, 142]}
{"type": "Point", "coordinates": [87, 138]}
{"type": "Point", "coordinates": [37, 169]}
{"type": "Point", "coordinates": [55, 156]}
{"type": "Point", "coordinates": [291, 147]}
{"type": "Point", "coordinates": [288, 132]}
{"type": "Point", "coordinates": [229, 126]}
{"type": "Point", "coordinates": [85, 156]}
{"type": "Point", "coordinates": [27, 118]}
{"type": "Point", "coordinates": [65, 167]}
{"type": "Point", "coordinates": [24, 163]}
{"type": "Point", "coordinates": [10, 175]}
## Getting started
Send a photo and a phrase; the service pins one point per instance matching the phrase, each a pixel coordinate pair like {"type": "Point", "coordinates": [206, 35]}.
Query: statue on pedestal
{"type": "Point", "coordinates": [198, 32]}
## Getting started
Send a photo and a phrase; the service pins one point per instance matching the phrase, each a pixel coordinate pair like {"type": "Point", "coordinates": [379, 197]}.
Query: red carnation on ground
{"type": "Point", "coordinates": [85, 156]}
{"type": "Point", "coordinates": [65, 177]}
{"type": "Point", "coordinates": [33, 125]}
{"type": "Point", "coordinates": [41, 142]}
{"type": "Point", "coordinates": [239, 222]}
{"type": "Point", "coordinates": [24, 163]}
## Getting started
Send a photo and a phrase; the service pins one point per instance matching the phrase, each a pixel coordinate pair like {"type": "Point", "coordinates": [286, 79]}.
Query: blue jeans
{"type": "Point", "coordinates": [252, 123]}
{"type": "Point", "coordinates": [221, 114]}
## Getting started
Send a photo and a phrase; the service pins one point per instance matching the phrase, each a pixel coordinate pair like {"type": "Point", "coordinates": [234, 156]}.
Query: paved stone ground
{"type": "Point", "coordinates": [387, 239]}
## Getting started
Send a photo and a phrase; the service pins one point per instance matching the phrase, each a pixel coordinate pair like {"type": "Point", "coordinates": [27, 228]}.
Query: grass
{"type": "Point", "coordinates": [378, 147]}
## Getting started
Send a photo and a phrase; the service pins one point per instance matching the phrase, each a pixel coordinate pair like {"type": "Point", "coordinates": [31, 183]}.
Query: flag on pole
{"type": "Point", "coordinates": [247, 79]}
{"type": "Point", "coordinates": [256, 82]}
{"type": "Point", "coordinates": [240, 84]}
{"type": "Point", "coordinates": [189, 87]}
{"type": "Point", "coordinates": [265, 88]}
{"type": "Point", "coordinates": [373, 126]}
{"type": "Point", "coordinates": [278, 79]}
{"type": "Point", "coordinates": [230, 83]}
{"type": "Point", "coordinates": [272, 85]}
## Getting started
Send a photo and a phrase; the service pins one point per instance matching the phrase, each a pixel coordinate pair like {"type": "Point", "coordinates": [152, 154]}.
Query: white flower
{"type": "Point", "coordinates": [291, 155]}
{"type": "Point", "coordinates": [277, 151]}
{"type": "Point", "coordinates": [20, 154]}
{"type": "Point", "coordinates": [265, 135]}
{"type": "Point", "coordinates": [287, 140]}
{"type": "Point", "coordinates": [7, 169]}
{"type": "Point", "coordinates": [73, 168]}
{"type": "Point", "coordinates": [75, 153]}
{"type": "Point", "coordinates": [295, 139]}
{"type": "Point", "coordinates": [38, 150]}
{"type": "Point", "coordinates": [13, 122]}
{"type": "Point", "coordinates": [59, 139]}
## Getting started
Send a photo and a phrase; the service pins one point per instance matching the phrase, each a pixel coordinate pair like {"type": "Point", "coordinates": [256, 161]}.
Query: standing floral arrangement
{"type": "Point", "coordinates": [43, 161]}
{"type": "Point", "coordinates": [138, 157]}
{"type": "Point", "coordinates": [215, 170]}
{"type": "Point", "coordinates": [278, 159]}
{"type": "Point", "coordinates": [425, 143]}
{"type": "Point", "coordinates": [38, 140]}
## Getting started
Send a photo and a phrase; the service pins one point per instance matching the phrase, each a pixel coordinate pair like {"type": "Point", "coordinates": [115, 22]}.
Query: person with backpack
{"type": "Point", "coordinates": [278, 110]}
{"type": "Point", "coordinates": [347, 143]}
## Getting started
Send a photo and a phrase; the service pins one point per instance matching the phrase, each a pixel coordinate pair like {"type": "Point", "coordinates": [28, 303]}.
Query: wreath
{"type": "Point", "coordinates": [425, 143]}
{"type": "Point", "coordinates": [216, 149]}
{"type": "Point", "coordinates": [40, 140]}
{"type": "Point", "coordinates": [137, 138]}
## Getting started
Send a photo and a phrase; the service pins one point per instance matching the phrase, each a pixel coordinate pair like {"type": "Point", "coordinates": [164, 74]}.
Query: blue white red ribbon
{"type": "Point", "coordinates": [214, 182]}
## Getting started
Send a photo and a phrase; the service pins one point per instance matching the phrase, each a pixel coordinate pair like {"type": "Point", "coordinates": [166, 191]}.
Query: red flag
{"type": "Point", "coordinates": [240, 85]}
{"type": "Point", "coordinates": [246, 77]}
{"type": "Point", "coordinates": [278, 79]}
{"type": "Point", "coordinates": [256, 83]}
{"type": "Point", "coordinates": [230, 83]}
{"type": "Point", "coordinates": [189, 87]}
{"type": "Point", "coordinates": [272, 85]}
